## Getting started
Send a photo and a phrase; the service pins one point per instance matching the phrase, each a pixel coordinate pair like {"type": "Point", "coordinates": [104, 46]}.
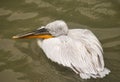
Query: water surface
{"type": "Point", "coordinates": [24, 61]}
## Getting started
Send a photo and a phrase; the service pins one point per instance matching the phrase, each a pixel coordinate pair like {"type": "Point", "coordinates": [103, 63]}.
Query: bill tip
{"type": "Point", "coordinates": [15, 37]}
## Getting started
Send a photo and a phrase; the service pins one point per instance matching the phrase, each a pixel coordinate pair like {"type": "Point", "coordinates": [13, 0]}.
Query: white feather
{"type": "Point", "coordinates": [80, 50]}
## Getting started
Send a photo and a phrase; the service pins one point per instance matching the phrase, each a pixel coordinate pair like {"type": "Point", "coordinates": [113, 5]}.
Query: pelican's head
{"type": "Point", "coordinates": [53, 29]}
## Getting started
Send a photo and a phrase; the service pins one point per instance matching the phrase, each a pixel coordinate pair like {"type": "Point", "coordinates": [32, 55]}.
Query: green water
{"type": "Point", "coordinates": [24, 61]}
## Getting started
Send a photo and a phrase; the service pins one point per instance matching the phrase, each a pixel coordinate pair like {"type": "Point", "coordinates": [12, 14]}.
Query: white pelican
{"type": "Point", "coordinates": [78, 49]}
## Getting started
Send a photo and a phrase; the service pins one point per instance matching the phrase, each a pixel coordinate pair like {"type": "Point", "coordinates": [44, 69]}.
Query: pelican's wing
{"type": "Point", "coordinates": [91, 44]}
{"type": "Point", "coordinates": [91, 47]}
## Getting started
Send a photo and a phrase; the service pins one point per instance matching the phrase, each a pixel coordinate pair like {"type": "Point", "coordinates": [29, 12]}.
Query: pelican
{"type": "Point", "coordinates": [78, 49]}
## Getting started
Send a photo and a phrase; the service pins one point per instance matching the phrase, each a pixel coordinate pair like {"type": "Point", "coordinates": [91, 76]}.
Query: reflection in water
{"type": "Point", "coordinates": [96, 9]}
{"type": "Point", "coordinates": [45, 20]}
{"type": "Point", "coordinates": [21, 16]}
{"type": "Point", "coordinates": [40, 3]}
{"type": "Point", "coordinates": [112, 44]}
{"type": "Point", "coordinates": [9, 75]}
{"type": "Point", "coordinates": [24, 61]}
{"type": "Point", "coordinates": [4, 12]}
{"type": "Point", "coordinates": [8, 46]}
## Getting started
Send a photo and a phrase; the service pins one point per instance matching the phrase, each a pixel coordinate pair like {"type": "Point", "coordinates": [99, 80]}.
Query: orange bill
{"type": "Point", "coordinates": [40, 33]}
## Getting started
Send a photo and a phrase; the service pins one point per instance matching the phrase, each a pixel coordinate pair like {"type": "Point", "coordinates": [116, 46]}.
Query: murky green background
{"type": "Point", "coordinates": [24, 61]}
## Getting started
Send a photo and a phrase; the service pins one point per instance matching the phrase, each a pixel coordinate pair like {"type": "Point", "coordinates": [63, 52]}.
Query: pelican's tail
{"type": "Point", "coordinates": [98, 75]}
